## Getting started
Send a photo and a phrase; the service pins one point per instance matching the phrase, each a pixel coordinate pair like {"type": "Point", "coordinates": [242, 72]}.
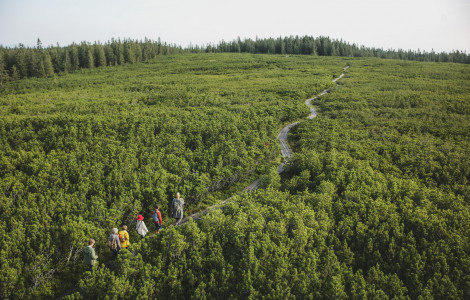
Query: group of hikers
{"type": "Point", "coordinates": [120, 239]}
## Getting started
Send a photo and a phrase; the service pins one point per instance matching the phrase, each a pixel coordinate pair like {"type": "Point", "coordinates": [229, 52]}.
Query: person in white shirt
{"type": "Point", "coordinates": [141, 228]}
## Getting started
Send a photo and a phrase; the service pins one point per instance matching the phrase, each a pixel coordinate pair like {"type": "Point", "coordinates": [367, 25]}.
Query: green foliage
{"type": "Point", "coordinates": [387, 158]}
{"type": "Point", "coordinates": [85, 152]}
{"type": "Point", "coordinates": [270, 179]}
{"type": "Point", "coordinates": [263, 244]}
{"type": "Point", "coordinates": [374, 204]}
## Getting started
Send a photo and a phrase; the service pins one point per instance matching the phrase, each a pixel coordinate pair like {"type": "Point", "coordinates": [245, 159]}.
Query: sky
{"type": "Point", "coordinates": [441, 25]}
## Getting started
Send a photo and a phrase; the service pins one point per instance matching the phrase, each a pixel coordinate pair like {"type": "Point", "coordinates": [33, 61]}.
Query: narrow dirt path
{"type": "Point", "coordinates": [285, 152]}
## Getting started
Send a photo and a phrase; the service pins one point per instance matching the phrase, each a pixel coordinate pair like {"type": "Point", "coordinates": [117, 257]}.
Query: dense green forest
{"type": "Point", "coordinates": [22, 62]}
{"type": "Point", "coordinates": [374, 204]}
{"type": "Point", "coordinates": [390, 147]}
{"type": "Point", "coordinates": [86, 152]}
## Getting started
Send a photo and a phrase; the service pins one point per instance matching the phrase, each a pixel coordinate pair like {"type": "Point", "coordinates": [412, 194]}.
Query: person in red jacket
{"type": "Point", "coordinates": [157, 219]}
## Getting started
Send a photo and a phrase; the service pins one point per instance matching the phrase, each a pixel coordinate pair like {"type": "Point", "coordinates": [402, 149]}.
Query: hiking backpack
{"type": "Point", "coordinates": [155, 217]}
{"type": "Point", "coordinates": [176, 208]}
{"type": "Point", "coordinates": [122, 238]}
{"type": "Point", "coordinates": [112, 244]}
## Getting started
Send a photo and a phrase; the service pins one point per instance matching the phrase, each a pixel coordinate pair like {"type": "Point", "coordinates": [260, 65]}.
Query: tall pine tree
{"type": "Point", "coordinates": [48, 68]}
{"type": "Point", "coordinates": [4, 77]}
{"type": "Point", "coordinates": [100, 57]}
{"type": "Point", "coordinates": [74, 60]}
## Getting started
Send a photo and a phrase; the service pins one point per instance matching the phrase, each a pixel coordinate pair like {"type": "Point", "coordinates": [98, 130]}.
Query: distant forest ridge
{"type": "Point", "coordinates": [22, 62]}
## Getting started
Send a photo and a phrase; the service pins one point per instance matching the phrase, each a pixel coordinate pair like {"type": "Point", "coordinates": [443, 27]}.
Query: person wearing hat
{"type": "Point", "coordinates": [141, 228]}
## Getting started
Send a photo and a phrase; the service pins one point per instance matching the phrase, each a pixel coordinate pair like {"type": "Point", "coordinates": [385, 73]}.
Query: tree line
{"type": "Point", "coordinates": [21, 62]}
{"type": "Point", "coordinates": [325, 46]}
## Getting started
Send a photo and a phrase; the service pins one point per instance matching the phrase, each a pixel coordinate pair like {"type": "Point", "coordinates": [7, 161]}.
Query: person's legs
{"type": "Point", "coordinates": [91, 269]}
{"type": "Point", "coordinates": [115, 253]}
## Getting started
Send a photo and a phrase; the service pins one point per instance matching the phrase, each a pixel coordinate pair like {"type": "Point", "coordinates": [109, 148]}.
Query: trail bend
{"type": "Point", "coordinates": [282, 136]}
{"type": "Point", "coordinates": [286, 154]}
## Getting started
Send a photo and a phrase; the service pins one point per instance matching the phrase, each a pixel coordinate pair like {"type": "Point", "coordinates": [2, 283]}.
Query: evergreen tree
{"type": "Point", "coordinates": [289, 45]}
{"type": "Point", "coordinates": [335, 50]}
{"type": "Point", "coordinates": [4, 77]}
{"type": "Point", "coordinates": [297, 46]}
{"type": "Point", "coordinates": [35, 64]}
{"type": "Point", "coordinates": [110, 57]}
{"type": "Point", "coordinates": [129, 56]}
{"type": "Point", "coordinates": [118, 50]}
{"type": "Point", "coordinates": [56, 58]}
{"type": "Point", "coordinates": [271, 46]}
{"type": "Point", "coordinates": [21, 62]}
{"type": "Point", "coordinates": [90, 63]}
{"type": "Point", "coordinates": [100, 56]}
{"type": "Point", "coordinates": [67, 61]}
{"type": "Point", "coordinates": [138, 52]}
{"type": "Point", "coordinates": [48, 68]}
{"type": "Point", "coordinates": [15, 74]}
{"type": "Point", "coordinates": [39, 67]}
{"type": "Point", "coordinates": [158, 47]}
{"type": "Point", "coordinates": [85, 55]}
{"type": "Point", "coordinates": [74, 59]}
{"type": "Point", "coordinates": [283, 47]}
{"type": "Point", "coordinates": [237, 47]}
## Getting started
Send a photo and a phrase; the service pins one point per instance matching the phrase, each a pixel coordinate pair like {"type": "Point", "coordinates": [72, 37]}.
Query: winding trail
{"type": "Point", "coordinates": [282, 137]}
{"type": "Point", "coordinates": [285, 152]}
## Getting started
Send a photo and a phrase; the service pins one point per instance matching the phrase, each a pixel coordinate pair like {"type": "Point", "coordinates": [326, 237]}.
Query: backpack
{"type": "Point", "coordinates": [176, 208]}
{"type": "Point", "coordinates": [155, 217]}
{"type": "Point", "coordinates": [122, 238]}
{"type": "Point", "coordinates": [112, 244]}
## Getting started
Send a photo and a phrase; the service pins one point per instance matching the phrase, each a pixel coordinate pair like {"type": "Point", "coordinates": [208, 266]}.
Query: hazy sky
{"type": "Point", "coordinates": [408, 24]}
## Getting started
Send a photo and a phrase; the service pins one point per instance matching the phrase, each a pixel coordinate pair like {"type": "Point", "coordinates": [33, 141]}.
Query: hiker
{"type": "Point", "coordinates": [141, 228]}
{"type": "Point", "coordinates": [177, 208]}
{"type": "Point", "coordinates": [114, 243]}
{"type": "Point", "coordinates": [89, 256]}
{"type": "Point", "coordinates": [157, 219]}
{"type": "Point", "coordinates": [124, 237]}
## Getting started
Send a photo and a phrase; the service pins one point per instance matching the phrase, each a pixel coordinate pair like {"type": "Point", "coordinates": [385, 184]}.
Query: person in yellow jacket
{"type": "Point", "coordinates": [124, 237]}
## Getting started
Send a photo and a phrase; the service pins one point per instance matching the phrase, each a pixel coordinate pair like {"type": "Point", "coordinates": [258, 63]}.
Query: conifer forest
{"type": "Point", "coordinates": [373, 204]}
